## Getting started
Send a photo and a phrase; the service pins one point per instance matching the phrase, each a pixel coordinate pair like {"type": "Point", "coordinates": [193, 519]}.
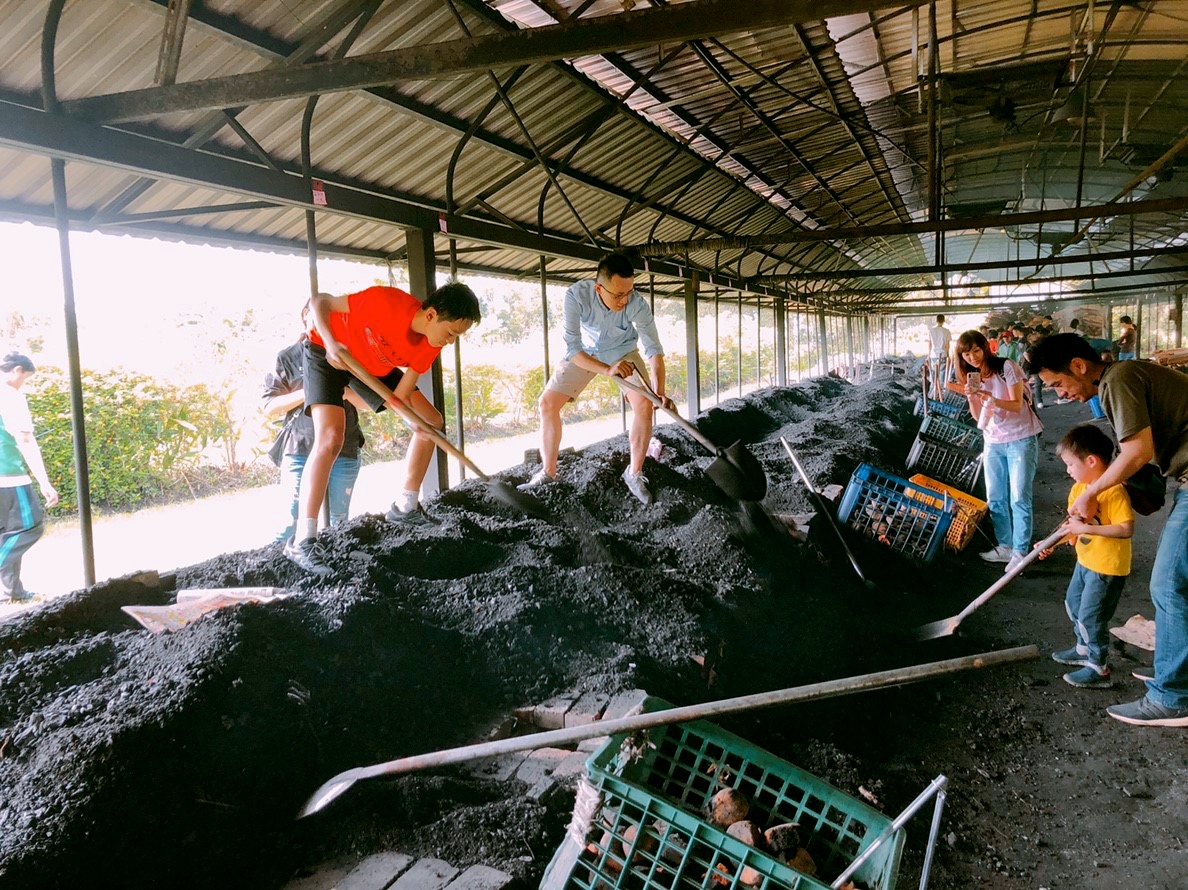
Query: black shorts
{"type": "Point", "coordinates": [324, 383]}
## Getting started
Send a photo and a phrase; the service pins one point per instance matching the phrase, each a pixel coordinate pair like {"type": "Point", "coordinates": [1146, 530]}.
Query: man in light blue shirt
{"type": "Point", "coordinates": [604, 321]}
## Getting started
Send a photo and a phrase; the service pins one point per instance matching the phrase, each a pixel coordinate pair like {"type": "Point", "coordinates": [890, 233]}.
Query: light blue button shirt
{"type": "Point", "coordinates": [608, 336]}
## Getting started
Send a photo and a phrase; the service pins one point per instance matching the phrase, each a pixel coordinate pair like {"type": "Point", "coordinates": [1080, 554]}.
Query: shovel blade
{"type": "Point", "coordinates": [937, 629]}
{"type": "Point", "coordinates": [738, 473]}
{"type": "Point", "coordinates": [523, 501]}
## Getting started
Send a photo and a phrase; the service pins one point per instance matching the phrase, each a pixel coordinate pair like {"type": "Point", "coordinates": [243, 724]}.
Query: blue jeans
{"type": "Point", "coordinates": [341, 487]}
{"type": "Point", "coordinates": [1169, 593]}
{"type": "Point", "coordinates": [1127, 356]}
{"type": "Point", "coordinates": [1090, 603]}
{"type": "Point", "coordinates": [1010, 472]}
{"type": "Point", "coordinates": [1095, 407]}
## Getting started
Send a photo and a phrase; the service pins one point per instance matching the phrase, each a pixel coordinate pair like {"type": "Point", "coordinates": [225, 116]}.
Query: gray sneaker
{"type": "Point", "coordinates": [539, 478]}
{"type": "Point", "coordinates": [638, 486]}
{"type": "Point", "coordinates": [1145, 712]}
{"type": "Point", "coordinates": [309, 556]}
{"type": "Point", "coordinates": [415, 517]}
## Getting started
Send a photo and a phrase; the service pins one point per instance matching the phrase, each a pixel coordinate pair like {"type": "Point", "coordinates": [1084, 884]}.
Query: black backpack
{"type": "Point", "coordinates": [1147, 489]}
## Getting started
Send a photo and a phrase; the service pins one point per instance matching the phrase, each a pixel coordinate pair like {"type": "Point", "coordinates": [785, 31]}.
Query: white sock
{"type": "Point", "coordinates": [407, 501]}
{"type": "Point", "coordinates": [305, 528]}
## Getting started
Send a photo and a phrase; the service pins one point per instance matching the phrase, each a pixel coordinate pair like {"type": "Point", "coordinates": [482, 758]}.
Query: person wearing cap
{"type": "Point", "coordinates": [22, 516]}
{"type": "Point", "coordinates": [605, 319]}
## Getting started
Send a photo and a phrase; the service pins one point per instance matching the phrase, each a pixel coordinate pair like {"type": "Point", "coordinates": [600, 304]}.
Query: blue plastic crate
{"type": "Point", "coordinates": [948, 431]}
{"type": "Point", "coordinates": [944, 409]}
{"type": "Point", "coordinates": [959, 467]}
{"type": "Point", "coordinates": [651, 833]}
{"type": "Point", "coordinates": [882, 507]}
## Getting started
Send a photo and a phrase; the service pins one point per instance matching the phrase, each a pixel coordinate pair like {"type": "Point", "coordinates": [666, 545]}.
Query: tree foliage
{"type": "Point", "coordinates": [141, 435]}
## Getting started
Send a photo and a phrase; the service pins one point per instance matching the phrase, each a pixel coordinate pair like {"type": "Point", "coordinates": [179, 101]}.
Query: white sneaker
{"type": "Point", "coordinates": [1013, 563]}
{"type": "Point", "coordinates": [539, 478]}
{"type": "Point", "coordinates": [998, 554]}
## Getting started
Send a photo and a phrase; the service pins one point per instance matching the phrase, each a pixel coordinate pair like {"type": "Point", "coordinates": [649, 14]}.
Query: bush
{"type": "Point", "coordinates": [142, 437]}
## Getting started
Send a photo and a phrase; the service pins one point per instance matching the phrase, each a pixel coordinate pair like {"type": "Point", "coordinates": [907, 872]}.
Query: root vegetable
{"type": "Point", "coordinates": [645, 844]}
{"type": "Point", "coordinates": [803, 862]}
{"type": "Point", "coordinates": [727, 807]}
{"type": "Point", "coordinates": [750, 877]}
{"type": "Point", "coordinates": [783, 840]}
{"type": "Point", "coordinates": [747, 832]}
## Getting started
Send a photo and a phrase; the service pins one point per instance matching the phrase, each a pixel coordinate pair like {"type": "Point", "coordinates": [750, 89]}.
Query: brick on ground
{"type": "Point", "coordinates": [499, 768]}
{"type": "Point", "coordinates": [376, 872]}
{"type": "Point", "coordinates": [623, 703]}
{"type": "Point", "coordinates": [539, 764]}
{"type": "Point", "coordinates": [426, 874]}
{"type": "Point", "coordinates": [325, 878]}
{"type": "Point", "coordinates": [551, 714]}
{"type": "Point", "coordinates": [481, 877]}
{"type": "Point", "coordinates": [587, 709]}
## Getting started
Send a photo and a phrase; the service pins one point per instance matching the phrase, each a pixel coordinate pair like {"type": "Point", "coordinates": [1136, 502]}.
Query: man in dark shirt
{"type": "Point", "coordinates": [1147, 406]}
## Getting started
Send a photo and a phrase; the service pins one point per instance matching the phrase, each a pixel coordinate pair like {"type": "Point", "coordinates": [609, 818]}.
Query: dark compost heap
{"type": "Point", "coordinates": [181, 759]}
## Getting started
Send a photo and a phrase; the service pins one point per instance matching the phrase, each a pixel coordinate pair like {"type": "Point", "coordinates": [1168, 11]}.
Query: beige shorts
{"type": "Point", "coordinates": [569, 380]}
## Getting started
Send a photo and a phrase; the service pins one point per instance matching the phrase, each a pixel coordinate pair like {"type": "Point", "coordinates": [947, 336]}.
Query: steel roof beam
{"type": "Point", "coordinates": [30, 130]}
{"type": "Point", "coordinates": [839, 233]}
{"type": "Point", "coordinates": [584, 37]}
{"type": "Point", "coordinates": [1036, 262]}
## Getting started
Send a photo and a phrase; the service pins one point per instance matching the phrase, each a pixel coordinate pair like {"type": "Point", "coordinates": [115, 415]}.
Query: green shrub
{"type": "Point", "coordinates": [142, 436]}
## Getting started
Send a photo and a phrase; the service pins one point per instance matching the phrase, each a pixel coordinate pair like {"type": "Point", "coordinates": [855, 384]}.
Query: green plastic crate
{"type": "Point", "coordinates": [683, 766]}
{"type": "Point", "coordinates": [673, 851]}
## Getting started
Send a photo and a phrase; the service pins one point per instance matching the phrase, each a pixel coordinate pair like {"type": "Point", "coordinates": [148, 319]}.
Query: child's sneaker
{"type": "Point", "coordinates": [1088, 678]}
{"type": "Point", "coordinates": [1072, 655]}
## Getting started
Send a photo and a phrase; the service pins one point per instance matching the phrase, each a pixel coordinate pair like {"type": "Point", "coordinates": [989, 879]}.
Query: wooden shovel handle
{"type": "Point", "coordinates": [642, 389]}
{"type": "Point", "coordinates": [410, 417]}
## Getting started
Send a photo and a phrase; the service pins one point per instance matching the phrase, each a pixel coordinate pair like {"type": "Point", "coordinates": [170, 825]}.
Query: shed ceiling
{"type": "Point", "coordinates": [857, 161]}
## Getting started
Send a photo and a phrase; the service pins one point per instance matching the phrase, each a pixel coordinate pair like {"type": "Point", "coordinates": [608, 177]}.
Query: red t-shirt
{"type": "Point", "coordinates": [377, 330]}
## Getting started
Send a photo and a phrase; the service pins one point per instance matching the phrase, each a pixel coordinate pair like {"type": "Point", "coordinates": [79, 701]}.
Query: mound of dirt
{"type": "Point", "coordinates": [181, 759]}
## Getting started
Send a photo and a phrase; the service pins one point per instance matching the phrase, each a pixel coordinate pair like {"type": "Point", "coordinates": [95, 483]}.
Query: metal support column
{"type": "Point", "coordinates": [1138, 324]}
{"type": "Point", "coordinates": [822, 342]}
{"type": "Point", "coordinates": [422, 280]}
{"type": "Point", "coordinates": [692, 363]}
{"type": "Point", "coordinates": [544, 315]}
{"type": "Point", "coordinates": [82, 472]}
{"type": "Point", "coordinates": [1177, 319]}
{"type": "Point", "coordinates": [851, 359]}
{"type": "Point", "coordinates": [740, 345]}
{"type": "Point", "coordinates": [781, 342]}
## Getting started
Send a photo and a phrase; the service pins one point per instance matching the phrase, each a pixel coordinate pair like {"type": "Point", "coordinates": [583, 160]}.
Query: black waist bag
{"type": "Point", "coordinates": [1147, 489]}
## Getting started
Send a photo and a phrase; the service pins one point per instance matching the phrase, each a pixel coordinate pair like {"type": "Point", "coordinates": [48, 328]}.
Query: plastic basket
{"type": "Point", "coordinates": [880, 506]}
{"type": "Point", "coordinates": [948, 431]}
{"type": "Point", "coordinates": [970, 512]}
{"type": "Point", "coordinates": [944, 409]}
{"type": "Point", "coordinates": [959, 467]}
{"type": "Point", "coordinates": [664, 783]}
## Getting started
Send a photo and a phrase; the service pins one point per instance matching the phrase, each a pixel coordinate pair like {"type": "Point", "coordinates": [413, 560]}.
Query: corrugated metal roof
{"type": "Point", "coordinates": [818, 124]}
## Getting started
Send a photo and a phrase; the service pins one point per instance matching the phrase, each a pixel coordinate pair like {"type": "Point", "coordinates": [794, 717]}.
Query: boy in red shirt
{"type": "Point", "coordinates": [397, 338]}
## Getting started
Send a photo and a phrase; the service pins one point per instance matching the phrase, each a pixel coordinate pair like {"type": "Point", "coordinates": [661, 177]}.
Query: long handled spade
{"type": "Point", "coordinates": [339, 784]}
{"type": "Point", "coordinates": [734, 469]}
{"type": "Point", "coordinates": [946, 626]}
{"type": "Point", "coordinates": [828, 511]}
{"type": "Point", "coordinates": [502, 491]}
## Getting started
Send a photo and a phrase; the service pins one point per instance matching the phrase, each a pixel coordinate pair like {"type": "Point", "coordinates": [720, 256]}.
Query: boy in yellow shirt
{"type": "Point", "coordinates": [1103, 557]}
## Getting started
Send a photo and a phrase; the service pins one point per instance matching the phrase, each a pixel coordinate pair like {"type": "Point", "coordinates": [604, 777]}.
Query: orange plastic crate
{"type": "Point", "coordinates": [970, 511]}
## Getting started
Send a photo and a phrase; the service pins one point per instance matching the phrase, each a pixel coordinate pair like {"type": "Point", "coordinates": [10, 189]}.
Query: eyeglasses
{"type": "Point", "coordinates": [619, 297]}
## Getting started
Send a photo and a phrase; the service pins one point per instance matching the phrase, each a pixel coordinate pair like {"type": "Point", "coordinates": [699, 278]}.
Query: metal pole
{"type": "Point", "coordinates": [692, 362]}
{"type": "Point", "coordinates": [82, 472]}
{"type": "Point", "coordinates": [334, 787]}
{"type": "Point", "coordinates": [740, 346]}
{"type": "Point", "coordinates": [717, 352]}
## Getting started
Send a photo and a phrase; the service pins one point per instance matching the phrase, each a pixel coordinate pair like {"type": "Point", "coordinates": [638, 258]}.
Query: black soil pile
{"type": "Point", "coordinates": [181, 759]}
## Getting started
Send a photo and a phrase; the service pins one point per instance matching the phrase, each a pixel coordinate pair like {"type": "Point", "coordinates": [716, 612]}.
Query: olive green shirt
{"type": "Point", "coordinates": [1137, 395]}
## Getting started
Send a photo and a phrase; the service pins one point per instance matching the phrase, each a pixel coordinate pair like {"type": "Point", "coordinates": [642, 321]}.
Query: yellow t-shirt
{"type": "Point", "coordinates": [1106, 556]}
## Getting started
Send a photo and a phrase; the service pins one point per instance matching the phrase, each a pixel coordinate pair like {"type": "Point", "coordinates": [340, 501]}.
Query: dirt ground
{"type": "Point", "coordinates": [180, 759]}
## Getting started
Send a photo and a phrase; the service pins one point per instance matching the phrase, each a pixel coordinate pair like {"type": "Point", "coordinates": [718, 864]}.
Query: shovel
{"type": "Point", "coordinates": [823, 507]}
{"type": "Point", "coordinates": [946, 626]}
{"type": "Point", "coordinates": [337, 785]}
{"type": "Point", "coordinates": [734, 470]}
{"type": "Point", "coordinates": [502, 491]}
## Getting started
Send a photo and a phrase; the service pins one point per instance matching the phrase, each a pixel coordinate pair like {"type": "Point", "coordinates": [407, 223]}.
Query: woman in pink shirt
{"type": "Point", "coordinates": [1000, 400]}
